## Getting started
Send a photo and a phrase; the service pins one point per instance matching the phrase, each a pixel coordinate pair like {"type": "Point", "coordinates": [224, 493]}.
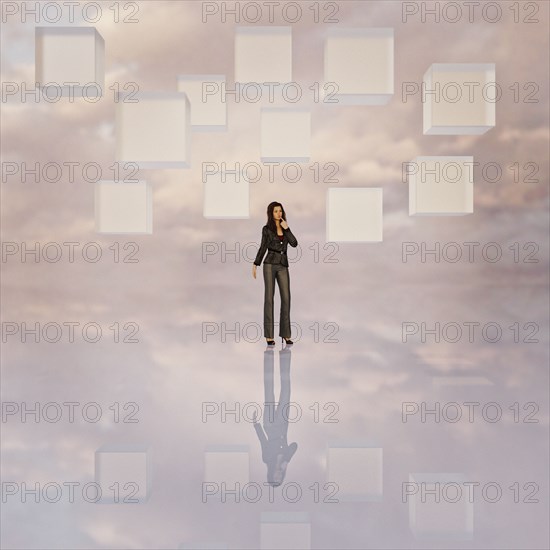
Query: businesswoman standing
{"type": "Point", "coordinates": [276, 236]}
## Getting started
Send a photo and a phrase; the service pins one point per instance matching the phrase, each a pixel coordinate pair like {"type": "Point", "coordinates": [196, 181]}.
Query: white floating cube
{"type": "Point", "coordinates": [360, 62]}
{"type": "Point", "coordinates": [208, 107]}
{"type": "Point", "coordinates": [459, 98]}
{"type": "Point", "coordinates": [357, 471]}
{"type": "Point", "coordinates": [441, 186]}
{"type": "Point", "coordinates": [70, 54]}
{"type": "Point", "coordinates": [354, 214]}
{"type": "Point", "coordinates": [443, 520]}
{"type": "Point", "coordinates": [124, 473]}
{"type": "Point", "coordinates": [285, 134]}
{"type": "Point", "coordinates": [155, 131]}
{"type": "Point", "coordinates": [123, 207]}
{"type": "Point", "coordinates": [263, 54]}
{"type": "Point", "coordinates": [285, 531]}
{"type": "Point", "coordinates": [229, 200]}
{"type": "Point", "coordinates": [227, 464]}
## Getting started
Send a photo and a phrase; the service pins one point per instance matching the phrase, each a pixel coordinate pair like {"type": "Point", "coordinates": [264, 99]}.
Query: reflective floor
{"type": "Point", "coordinates": [141, 407]}
{"type": "Point", "coordinates": [347, 439]}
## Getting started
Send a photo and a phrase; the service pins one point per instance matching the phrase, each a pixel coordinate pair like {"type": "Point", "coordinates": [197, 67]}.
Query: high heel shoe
{"type": "Point", "coordinates": [271, 343]}
{"type": "Point", "coordinates": [287, 340]}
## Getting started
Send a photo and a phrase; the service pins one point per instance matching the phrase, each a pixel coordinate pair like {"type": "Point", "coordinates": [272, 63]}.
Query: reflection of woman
{"type": "Point", "coordinates": [276, 452]}
{"type": "Point", "coordinates": [276, 236]}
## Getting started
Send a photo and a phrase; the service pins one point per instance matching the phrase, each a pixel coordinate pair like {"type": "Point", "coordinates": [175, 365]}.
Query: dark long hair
{"type": "Point", "coordinates": [270, 220]}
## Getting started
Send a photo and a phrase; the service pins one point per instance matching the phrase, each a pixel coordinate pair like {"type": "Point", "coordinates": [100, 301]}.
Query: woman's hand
{"type": "Point", "coordinates": [254, 270]}
{"type": "Point", "coordinates": [283, 223]}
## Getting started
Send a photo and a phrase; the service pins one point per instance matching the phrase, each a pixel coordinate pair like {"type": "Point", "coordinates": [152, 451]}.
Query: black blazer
{"type": "Point", "coordinates": [276, 248]}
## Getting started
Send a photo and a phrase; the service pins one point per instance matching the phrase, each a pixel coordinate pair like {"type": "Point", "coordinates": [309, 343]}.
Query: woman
{"type": "Point", "coordinates": [276, 236]}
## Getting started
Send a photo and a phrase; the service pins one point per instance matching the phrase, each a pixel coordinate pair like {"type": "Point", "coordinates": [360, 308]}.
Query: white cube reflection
{"type": "Point", "coordinates": [285, 531]}
{"type": "Point", "coordinates": [124, 473]}
{"type": "Point", "coordinates": [356, 469]}
{"type": "Point", "coordinates": [452, 518]}
{"type": "Point", "coordinates": [228, 465]}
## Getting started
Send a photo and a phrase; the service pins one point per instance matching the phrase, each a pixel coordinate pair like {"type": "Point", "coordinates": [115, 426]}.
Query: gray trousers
{"type": "Point", "coordinates": [279, 273]}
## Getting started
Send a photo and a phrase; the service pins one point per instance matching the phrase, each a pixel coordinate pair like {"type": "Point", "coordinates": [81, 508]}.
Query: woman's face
{"type": "Point", "coordinates": [277, 213]}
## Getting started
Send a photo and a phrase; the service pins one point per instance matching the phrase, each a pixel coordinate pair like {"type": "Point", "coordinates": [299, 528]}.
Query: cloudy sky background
{"type": "Point", "coordinates": [368, 293]}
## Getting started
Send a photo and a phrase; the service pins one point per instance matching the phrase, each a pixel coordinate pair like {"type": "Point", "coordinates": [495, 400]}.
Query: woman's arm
{"type": "Point", "coordinates": [292, 241]}
{"type": "Point", "coordinates": [263, 247]}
